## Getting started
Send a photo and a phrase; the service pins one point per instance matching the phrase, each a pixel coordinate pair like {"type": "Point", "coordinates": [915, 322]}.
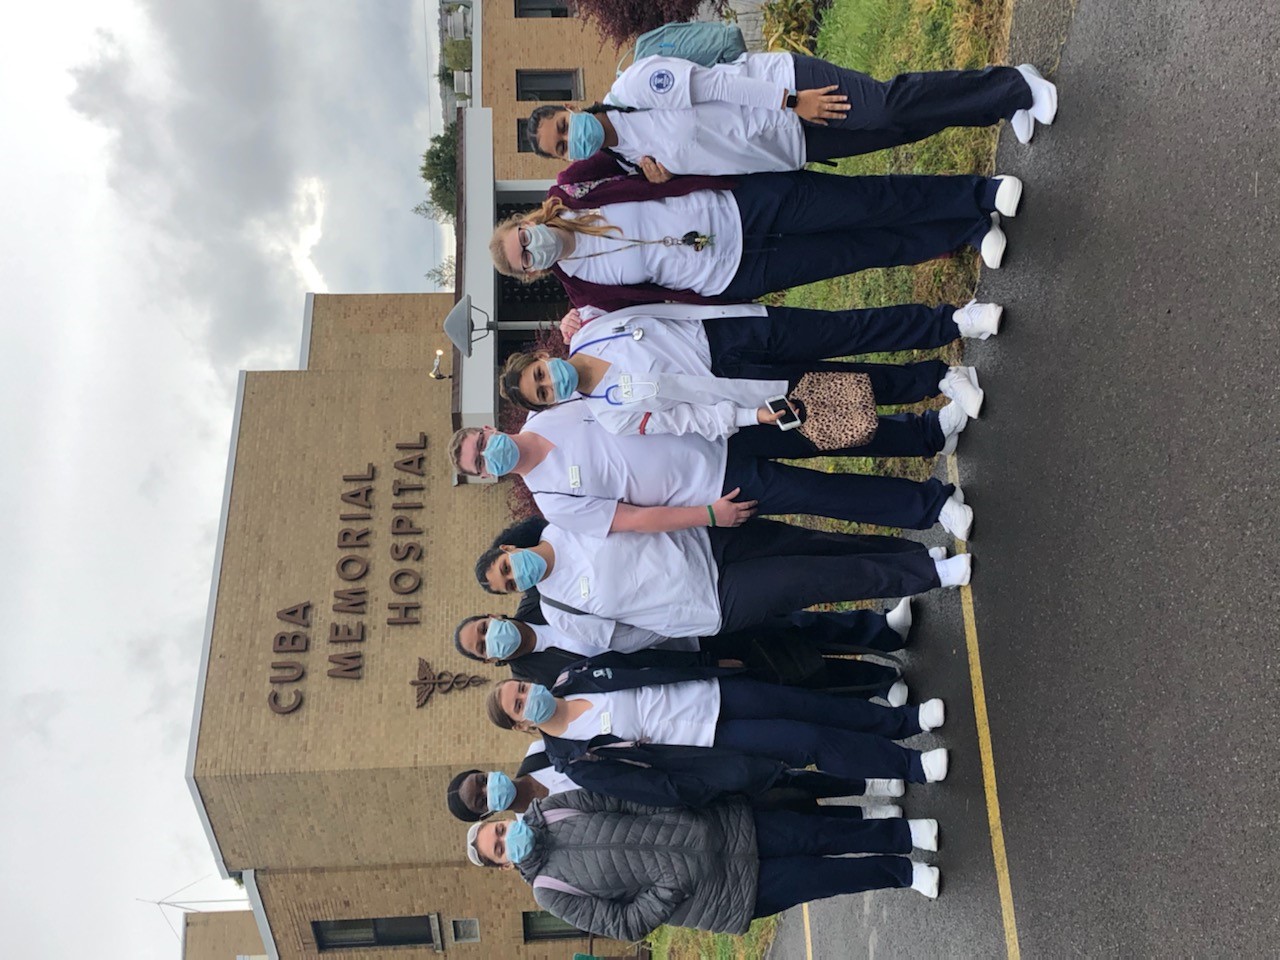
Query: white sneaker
{"type": "Point", "coordinates": [961, 385]}
{"type": "Point", "coordinates": [899, 618]}
{"type": "Point", "coordinates": [885, 811]}
{"type": "Point", "coordinates": [956, 518]}
{"type": "Point", "coordinates": [935, 764]}
{"type": "Point", "coordinates": [959, 493]}
{"type": "Point", "coordinates": [993, 244]}
{"type": "Point", "coordinates": [1023, 124]}
{"type": "Point", "coordinates": [933, 713]}
{"type": "Point", "coordinates": [978, 320]}
{"type": "Point", "coordinates": [955, 571]}
{"type": "Point", "coordinates": [897, 694]}
{"type": "Point", "coordinates": [938, 553]}
{"type": "Point", "coordinates": [884, 788]}
{"type": "Point", "coordinates": [1008, 194]}
{"type": "Point", "coordinates": [924, 834]}
{"type": "Point", "coordinates": [952, 419]}
{"type": "Point", "coordinates": [1044, 95]}
{"type": "Point", "coordinates": [925, 879]}
{"type": "Point", "coordinates": [949, 445]}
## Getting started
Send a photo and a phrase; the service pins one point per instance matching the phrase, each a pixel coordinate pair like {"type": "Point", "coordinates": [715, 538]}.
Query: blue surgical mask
{"type": "Point", "coordinates": [527, 568]}
{"type": "Point", "coordinates": [586, 135]}
{"type": "Point", "coordinates": [502, 639]}
{"type": "Point", "coordinates": [500, 454]}
{"type": "Point", "coordinates": [539, 704]}
{"type": "Point", "coordinates": [500, 791]}
{"type": "Point", "coordinates": [519, 841]}
{"type": "Point", "coordinates": [564, 378]}
{"type": "Point", "coordinates": [544, 246]}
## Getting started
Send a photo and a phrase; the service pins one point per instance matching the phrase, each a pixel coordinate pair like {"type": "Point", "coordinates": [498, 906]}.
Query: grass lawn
{"type": "Point", "coordinates": [677, 943]}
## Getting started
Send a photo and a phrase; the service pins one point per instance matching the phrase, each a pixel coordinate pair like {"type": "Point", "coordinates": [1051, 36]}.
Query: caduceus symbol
{"type": "Point", "coordinates": [429, 681]}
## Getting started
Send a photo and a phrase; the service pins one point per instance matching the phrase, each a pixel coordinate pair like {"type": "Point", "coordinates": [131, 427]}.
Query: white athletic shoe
{"type": "Point", "coordinates": [897, 694]}
{"type": "Point", "coordinates": [1023, 124]}
{"type": "Point", "coordinates": [959, 494]}
{"type": "Point", "coordinates": [956, 518]}
{"type": "Point", "coordinates": [884, 788]}
{"type": "Point", "coordinates": [952, 419]}
{"type": "Point", "coordinates": [978, 320]}
{"type": "Point", "coordinates": [938, 553]}
{"type": "Point", "coordinates": [924, 834]}
{"type": "Point", "coordinates": [955, 571]}
{"type": "Point", "coordinates": [961, 385]}
{"type": "Point", "coordinates": [925, 879]}
{"type": "Point", "coordinates": [899, 618]}
{"type": "Point", "coordinates": [933, 713]}
{"type": "Point", "coordinates": [1044, 95]}
{"type": "Point", "coordinates": [885, 811]}
{"type": "Point", "coordinates": [935, 765]}
{"type": "Point", "coordinates": [1008, 194]}
{"type": "Point", "coordinates": [993, 244]}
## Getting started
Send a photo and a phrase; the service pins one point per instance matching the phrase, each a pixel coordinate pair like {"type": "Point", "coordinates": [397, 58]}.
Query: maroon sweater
{"type": "Point", "coordinates": [599, 180]}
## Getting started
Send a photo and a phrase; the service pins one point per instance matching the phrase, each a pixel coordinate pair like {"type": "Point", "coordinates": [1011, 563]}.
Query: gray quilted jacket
{"type": "Point", "coordinates": [630, 867]}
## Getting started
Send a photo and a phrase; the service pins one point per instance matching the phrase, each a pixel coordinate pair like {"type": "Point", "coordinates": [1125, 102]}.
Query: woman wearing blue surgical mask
{"type": "Point", "coordinates": [778, 111]}
{"type": "Point", "coordinates": [701, 581]}
{"type": "Point", "coordinates": [843, 736]}
{"type": "Point", "coordinates": [614, 243]}
{"type": "Point", "coordinates": [620, 869]}
{"type": "Point", "coordinates": [475, 795]}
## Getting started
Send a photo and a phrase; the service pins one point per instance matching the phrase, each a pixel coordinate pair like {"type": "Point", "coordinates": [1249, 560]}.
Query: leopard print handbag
{"type": "Point", "coordinates": [839, 409]}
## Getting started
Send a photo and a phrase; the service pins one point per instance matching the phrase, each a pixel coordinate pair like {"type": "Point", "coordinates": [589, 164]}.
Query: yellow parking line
{"type": "Point", "coordinates": [994, 824]}
{"type": "Point", "coordinates": [808, 937]}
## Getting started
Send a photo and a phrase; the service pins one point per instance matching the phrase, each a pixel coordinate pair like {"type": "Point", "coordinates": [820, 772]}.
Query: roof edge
{"type": "Point", "coordinates": [208, 629]}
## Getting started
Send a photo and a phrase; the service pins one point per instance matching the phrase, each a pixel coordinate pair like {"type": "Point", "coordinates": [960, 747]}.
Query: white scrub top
{"type": "Point", "coordinates": [708, 271]}
{"type": "Point", "coordinates": [675, 713]}
{"type": "Point", "coordinates": [660, 380]}
{"type": "Point", "coordinates": [664, 582]}
{"type": "Point", "coordinates": [725, 119]}
{"type": "Point", "coordinates": [549, 777]}
{"type": "Point", "coordinates": [625, 639]}
{"type": "Point", "coordinates": [579, 484]}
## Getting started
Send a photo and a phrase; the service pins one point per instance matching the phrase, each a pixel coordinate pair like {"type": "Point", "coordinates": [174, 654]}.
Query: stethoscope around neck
{"type": "Point", "coordinates": [628, 384]}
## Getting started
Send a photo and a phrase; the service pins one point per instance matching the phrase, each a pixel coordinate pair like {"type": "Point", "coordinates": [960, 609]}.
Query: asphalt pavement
{"type": "Point", "coordinates": [1123, 477]}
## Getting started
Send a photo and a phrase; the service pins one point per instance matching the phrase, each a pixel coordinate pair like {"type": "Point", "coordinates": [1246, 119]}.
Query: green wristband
{"type": "Point", "coordinates": [711, 515]}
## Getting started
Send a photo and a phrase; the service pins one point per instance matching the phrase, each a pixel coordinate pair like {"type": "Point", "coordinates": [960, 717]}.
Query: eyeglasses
{"type": "Point", "coordinates": [526, 258]}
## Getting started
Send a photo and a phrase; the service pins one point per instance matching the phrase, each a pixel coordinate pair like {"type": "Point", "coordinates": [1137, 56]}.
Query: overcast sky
{"type": "Point", "coordinates": [177, 175]}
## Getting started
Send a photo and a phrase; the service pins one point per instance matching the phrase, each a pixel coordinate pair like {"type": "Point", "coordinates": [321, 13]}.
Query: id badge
{"type": "Point", "coordinates": [624, 386]}
{"type": "Point", "coordinates": [606, 722]}
{"type": "Point", "coordinates": [584, 587]}
{"type": "Point", "coordinates": [575, 477]}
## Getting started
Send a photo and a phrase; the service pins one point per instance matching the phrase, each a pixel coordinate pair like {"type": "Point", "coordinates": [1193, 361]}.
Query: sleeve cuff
{"type": "Point", "coordinates": [746, 417]}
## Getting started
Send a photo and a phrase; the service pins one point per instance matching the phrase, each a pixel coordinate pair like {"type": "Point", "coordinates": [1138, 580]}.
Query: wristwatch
{"type": "Point", "coordinates": [792, 100]}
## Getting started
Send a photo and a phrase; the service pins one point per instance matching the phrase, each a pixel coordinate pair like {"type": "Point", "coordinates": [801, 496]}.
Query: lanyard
{"type": "Point", "coordinates": [607, 397]}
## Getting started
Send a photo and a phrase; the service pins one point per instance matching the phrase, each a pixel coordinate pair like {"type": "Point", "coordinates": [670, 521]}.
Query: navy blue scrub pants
{"type": "Point", "coordinates": [783, 488]}
{"type": "Point", "coordinates": [839, 735]}
{"type": "Point", "coordinates": [802, 789]}
{"type": "Point", "coordinates": [767, 569]}
{"type": "Point", "coordinates": [801, 857]}
{"type": "Point", "coordinates": [907, 108]}
{"type": "Point", "coordinates": [800, 227]}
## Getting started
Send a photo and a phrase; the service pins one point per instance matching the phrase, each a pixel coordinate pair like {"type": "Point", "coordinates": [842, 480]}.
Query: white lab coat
{"type": "Point", "coordinates": [727, 119]}
{"type": "Point", "coordinates": [662, 382]}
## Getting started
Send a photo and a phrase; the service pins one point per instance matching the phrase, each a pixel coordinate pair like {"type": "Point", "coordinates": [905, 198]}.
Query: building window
{"type": "Point", "coordinates": [540, 925]}
{"type": "Point", "coordinates": [522, 141]}
{"type": "Point", "coordinates": [542, 8]}
{"type": "Point", "coordinates": [466, 931]}
{"type": "Point", "coordinates": [374, 932]}
{"type": "Point", "coordinates": [550, 86]}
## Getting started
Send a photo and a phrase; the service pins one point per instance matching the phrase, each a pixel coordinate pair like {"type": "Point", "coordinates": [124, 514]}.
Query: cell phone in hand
{"type": "Point", "coordinates": [788, 420]}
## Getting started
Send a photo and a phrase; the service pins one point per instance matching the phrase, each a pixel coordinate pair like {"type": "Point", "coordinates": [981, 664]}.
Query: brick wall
{"type": "Point", "coordinates": [220, 936]}
{"type": "Point", "coordinates": [530, 43]}
{"type": "Point", "coordinates": [496, 898]}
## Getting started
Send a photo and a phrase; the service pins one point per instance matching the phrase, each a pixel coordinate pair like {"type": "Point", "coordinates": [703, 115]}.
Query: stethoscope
{"type": "Point", "coordinates": [627, 387]}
